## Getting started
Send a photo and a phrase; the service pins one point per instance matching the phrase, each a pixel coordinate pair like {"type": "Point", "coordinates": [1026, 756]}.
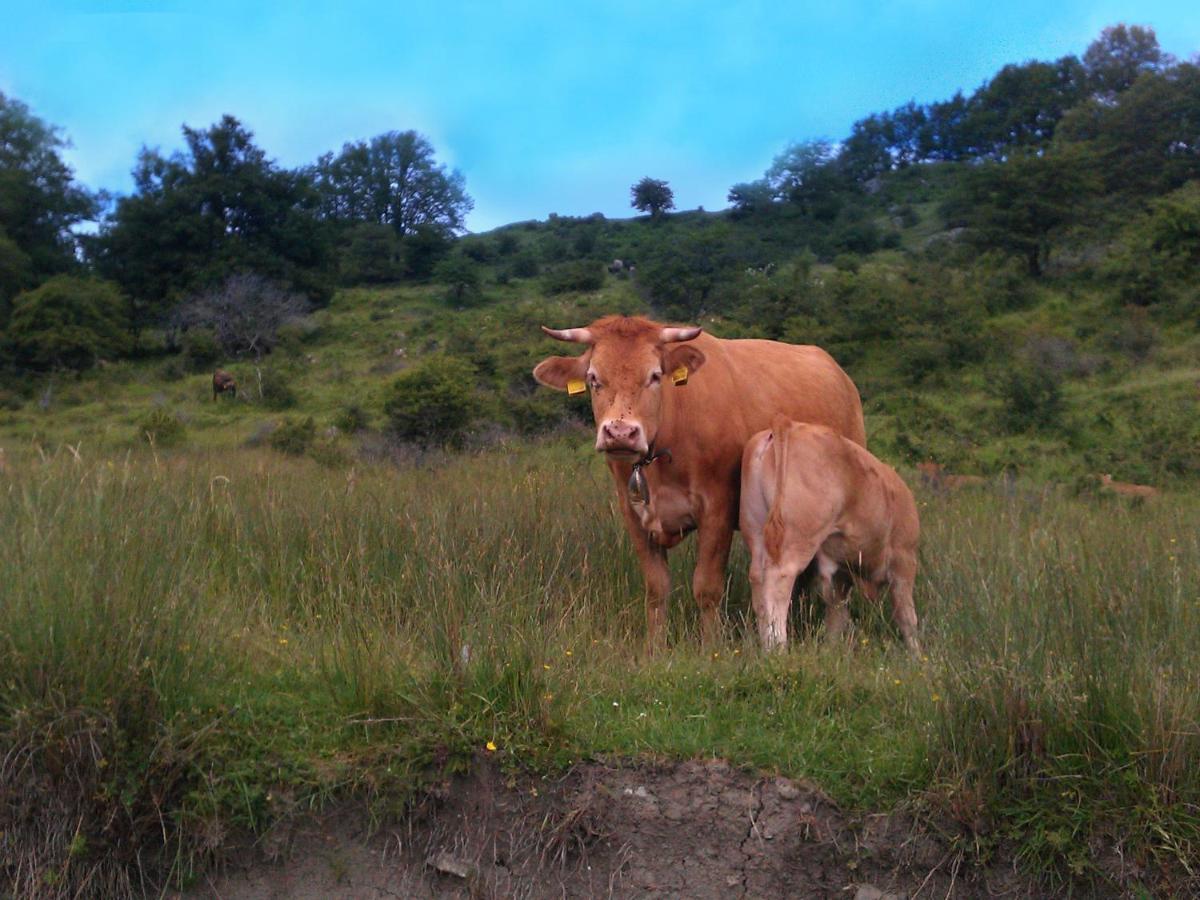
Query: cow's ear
{"type": "Point", "coordinates": [682, 356]}
{"type": "Point", "coordinates": [556, 371]}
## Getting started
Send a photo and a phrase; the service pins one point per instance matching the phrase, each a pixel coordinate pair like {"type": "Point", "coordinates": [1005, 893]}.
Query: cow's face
{"type": "Point", "coordinates": [625, 369]}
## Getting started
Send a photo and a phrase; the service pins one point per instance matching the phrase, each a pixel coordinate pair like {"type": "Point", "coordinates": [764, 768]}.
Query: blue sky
{"type": "Point", "coordinates": [544, 106]}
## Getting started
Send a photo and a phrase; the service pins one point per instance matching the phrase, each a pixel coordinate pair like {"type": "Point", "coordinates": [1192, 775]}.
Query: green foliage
{"type": "Point", "coordinates": [219, 209]}
{"type": "Point", "coordinates": [200, 349]}
{"type": "Point", "coordinates": [434, 402]}
{"type": "Point", "coordinates": [371, 253]}
{"type": "Point", "coordinates": [577, 275]}
{"type": "Point", "coordinates": [162, 428]}
{"type": "Point", "coordinates": [1019, 204]}
{"type": "Point", "coordinates": [461, 277]}
{"type": "Point", "coordinates": [40, 202]}
{"type": "Point", "coordinates": [68, 323]}
{"type": "Point", "coordinates": [394, 180]}
{"type": "Point", "coordinates": [293, 436]}
{"type": "Point", "coordinates": [275, 388]}
{"type": "Point", "coordinates": [652, 195]}
{"type": "Point", "coordinates": [352, 418]}
{"type": "Point", "coordinates": [1032, 399]}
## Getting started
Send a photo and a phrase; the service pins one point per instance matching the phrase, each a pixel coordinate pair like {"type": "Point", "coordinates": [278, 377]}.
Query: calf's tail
{"type": "Point", "coordinates": [773, 531]}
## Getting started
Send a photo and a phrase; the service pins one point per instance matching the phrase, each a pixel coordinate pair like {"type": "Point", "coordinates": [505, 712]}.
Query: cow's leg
{"type": "Point", "coordinates": [708, 581]}
{"type": "Point", "coordinates": [835, 595]}
{"type": "Point", "coordinates": [904, 612]}
{"type": "Point", "coordinates": [656, 576]}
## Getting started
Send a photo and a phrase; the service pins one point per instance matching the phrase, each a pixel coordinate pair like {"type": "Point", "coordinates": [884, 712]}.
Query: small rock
{"type": "Point", "coordinates": [787, 790]}
{"type": "Point", "coordinates": [451, 865]}
{"type": "Point", "coordinates": [870, 892]}
{"type": "Point", "coordinates": [641, 792]}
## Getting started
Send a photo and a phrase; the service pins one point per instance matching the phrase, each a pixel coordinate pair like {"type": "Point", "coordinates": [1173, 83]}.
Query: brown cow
{"type": "Point", "coordinates": [1125, 489]}
{"type": "Point", "coordinates": [224, 383]}
{"type": "Point", "coordinates": [673, 410]}
{"type": "Point", "coordinates": [808, 492]}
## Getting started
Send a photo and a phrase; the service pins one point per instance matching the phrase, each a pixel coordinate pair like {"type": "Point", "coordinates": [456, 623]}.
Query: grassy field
{"type": "Point", "coordinates": [203, 642]}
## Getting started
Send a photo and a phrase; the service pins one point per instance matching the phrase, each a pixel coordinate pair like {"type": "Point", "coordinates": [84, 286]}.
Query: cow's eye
{"type": "Point", "coordinates": [655, 377]}
{"type": "Point", "coordinates": [593, 381]}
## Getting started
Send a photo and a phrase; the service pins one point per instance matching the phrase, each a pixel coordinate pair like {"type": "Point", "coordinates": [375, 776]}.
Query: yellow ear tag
{"type": "Point", "coordinates": [680, 376]}
{"type": "Point", "coordinates": [576, 386]}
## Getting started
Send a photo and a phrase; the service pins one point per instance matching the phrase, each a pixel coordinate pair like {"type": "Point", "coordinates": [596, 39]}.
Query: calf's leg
{"type": "Point", "coordinates": [836, 596]}
{"type": "Point", "coordinates": [904, 612]}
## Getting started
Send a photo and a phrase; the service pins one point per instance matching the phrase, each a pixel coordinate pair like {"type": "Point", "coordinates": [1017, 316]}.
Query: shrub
{"type": "Point", "coordinates": [352, 418]}
{"type": "Point", "coordinates": [10, 400]}
{"type": "Point", "coordinates": [433, 402]}
{"type": "Point", "coordinates": [1032, 399]}
{"type": "Point", "coordinates": [200, 349]}
{"type": "Point", "coordinates": [328, 452]}
{"type": "Point", "coordinates": [579, 275]}
{"type": "Point", "coordinates": [525, 265]}
{"type": "Point", "coordinates": [245, 313]}
{"type": "Point", "coordinates": [274, 389]}
{"type": "Point", "coordinates": [68, 323]}
{"type": "Point", "coordinates": [461, 277]}
{"type": "Point", "coordinates": [162, 428]}
{"type": "Point", "coordinates": [293, 436]}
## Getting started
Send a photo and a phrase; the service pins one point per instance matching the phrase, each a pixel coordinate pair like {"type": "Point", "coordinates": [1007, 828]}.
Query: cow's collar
{"type": "Point", "coordinates": [638, 487]}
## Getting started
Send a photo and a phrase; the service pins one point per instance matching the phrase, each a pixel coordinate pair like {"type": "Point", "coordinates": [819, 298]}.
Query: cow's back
{"type": "Point", "coordinates": [746, 383]}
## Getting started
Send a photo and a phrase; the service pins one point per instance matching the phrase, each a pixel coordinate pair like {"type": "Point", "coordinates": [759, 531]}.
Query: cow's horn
{"type": "Point", "coordinates": [671, 335]}
{"type": "Point", "coordinates": [571, 335]}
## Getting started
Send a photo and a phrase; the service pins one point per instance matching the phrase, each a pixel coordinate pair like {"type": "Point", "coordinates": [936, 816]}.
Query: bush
{"type": "Point", "coordinates": [1032, 399]}
{"type": "Point", "coordinates": [293, 436]}
{"type": "Point", "coordinates": [10, 400]}
{"type": "Point", "coordinates": [68, 323]}
{"type": "Point", "coordinates": [579, 275]}
{"type": "Point", "coordinates": [200, 349]}
{"type": "Point", "coordinates": [461, 277]}
{"type": "Point", "coordinates": [352, 418]}
{"type": "Point", "coordinates": [162, 428]}
{"type": "Point", "coordinates": [433, 402]}
{"type": "Point", "coordinates": [274, 389]}
{"type": "Point", "coordinates": [525, 265]}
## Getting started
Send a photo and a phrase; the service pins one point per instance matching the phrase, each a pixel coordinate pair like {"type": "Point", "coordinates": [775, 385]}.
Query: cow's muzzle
{"type": "Point", "coordinates": [620, 437]}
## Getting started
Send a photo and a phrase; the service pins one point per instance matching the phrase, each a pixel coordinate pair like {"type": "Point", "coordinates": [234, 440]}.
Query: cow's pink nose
{"type": "Point", "coordinates": [621, 432]}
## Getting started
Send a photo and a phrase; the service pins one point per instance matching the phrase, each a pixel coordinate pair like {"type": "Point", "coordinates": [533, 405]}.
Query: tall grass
{"type": "Point", "coordinates": [195, 644]}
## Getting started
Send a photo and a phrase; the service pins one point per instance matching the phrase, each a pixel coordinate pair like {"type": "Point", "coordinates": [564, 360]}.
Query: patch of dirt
{"type": "Point", "coordinates": [692, 829]}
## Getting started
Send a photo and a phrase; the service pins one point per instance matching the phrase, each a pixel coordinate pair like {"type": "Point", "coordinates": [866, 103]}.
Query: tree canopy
{"type": "Point", "coordinates": [40, 201]}
{"type": "Point", "coordinates": [220, 207]}
{"type": "Point", "coordinates": [653, 196]}
{"type": "Point", "coordinates": [392, 179]}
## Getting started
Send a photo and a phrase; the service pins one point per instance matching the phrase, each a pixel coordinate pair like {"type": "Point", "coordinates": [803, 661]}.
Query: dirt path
{"type": "Point", "coordinates": [694, 829]}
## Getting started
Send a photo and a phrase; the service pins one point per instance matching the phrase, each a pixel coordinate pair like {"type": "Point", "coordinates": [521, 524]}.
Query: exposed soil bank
{"type": "Point", "coordinates": [693, 829]}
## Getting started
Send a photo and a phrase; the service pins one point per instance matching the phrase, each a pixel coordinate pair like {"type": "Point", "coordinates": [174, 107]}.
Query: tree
{"type": "Point", "coordinates": [68, 323]}
{"type": "Point", "coordinates": [1021, 106]}
{"type": "Point", "coordinates": [653, 196]}
{"type": "Point", "coordinates": [1114, 60]}
{"type": "Point", "coordinates": [220, 208]}
{"type": "Point", "coordinates": [805, 174]}
{"type": "Point", "coordinates": [1018, 205]}
{"type": "Point", "coordinates": [393, 179]}
{"type": "Point", "coordinates": [16, 274]}
{"type": "Point", "coordinates": [40, 202]}
{"type": "Point", "coordinates": [751, 196]}
{"type": "Point", "coordinates": [245, 313]}
{"type": "Point", "coordinates": [1145, 138]}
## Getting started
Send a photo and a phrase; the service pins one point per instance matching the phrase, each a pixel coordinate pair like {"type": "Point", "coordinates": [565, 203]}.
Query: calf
{"type": "Point", "coordinates": [224, 383]}
{"type": "Point", "coordinates": [1125, 489]}
{"type": "Point", "coordinates": [808, 492]}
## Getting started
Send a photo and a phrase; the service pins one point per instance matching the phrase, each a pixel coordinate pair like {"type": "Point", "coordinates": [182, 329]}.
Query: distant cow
{"type": "Point", "coordinates": [616, 267]}
{"type": "Point", "coordinates": [673, 409]}
{"type": "Point", "coordinates": [224, 383]}
{"type": "Point", "coordinates": [1125, 489]}
{"type": "Point", "coordinates": [809, 492]}
{"type": "Point", "coordinates": [934, 475]}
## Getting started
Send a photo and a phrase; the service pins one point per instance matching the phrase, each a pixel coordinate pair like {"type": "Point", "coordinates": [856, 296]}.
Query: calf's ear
{"type": "Point", "coordinates": [556, 371]}
{"type": "Point", "coordinates": [682, 356]}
